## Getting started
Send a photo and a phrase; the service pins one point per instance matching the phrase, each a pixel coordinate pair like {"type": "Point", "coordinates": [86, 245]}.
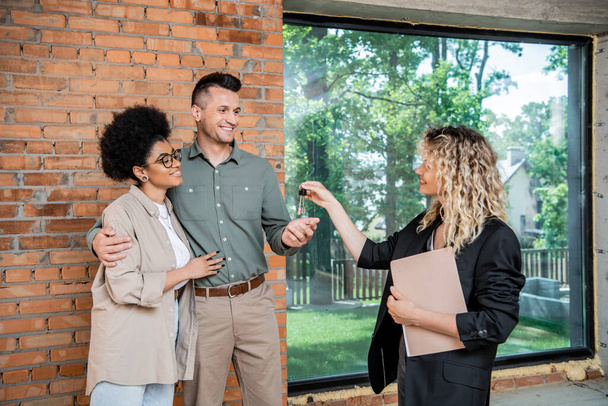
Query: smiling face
{"type": "Point", "coordinates": [159, 176]}
{"type": "Point", "coordinates": [428, 179]}
{"type": "Point", "coordinates": [218, 120]}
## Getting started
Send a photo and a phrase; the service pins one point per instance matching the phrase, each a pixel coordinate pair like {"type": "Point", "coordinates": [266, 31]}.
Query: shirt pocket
{"type": "Point", "coordinates": [247, 202]}
{"type": "Point", "coordinates": [193, 203]}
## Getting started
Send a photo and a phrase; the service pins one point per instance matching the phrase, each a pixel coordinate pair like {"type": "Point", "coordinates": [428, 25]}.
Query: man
{"type": "Point", "coordinates": [229, 199]}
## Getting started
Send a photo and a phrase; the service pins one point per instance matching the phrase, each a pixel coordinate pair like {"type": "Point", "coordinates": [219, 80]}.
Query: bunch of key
{"type": "Point", "coordinates": [301, 208]}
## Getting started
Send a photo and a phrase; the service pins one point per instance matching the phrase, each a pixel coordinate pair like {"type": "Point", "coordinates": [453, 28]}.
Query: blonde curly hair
{"type": "Point", "coordinates": [468, 182]}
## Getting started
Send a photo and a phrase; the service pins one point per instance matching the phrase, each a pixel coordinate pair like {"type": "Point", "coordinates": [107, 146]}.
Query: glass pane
{"type": "Point", "coordinates": [356, 104]}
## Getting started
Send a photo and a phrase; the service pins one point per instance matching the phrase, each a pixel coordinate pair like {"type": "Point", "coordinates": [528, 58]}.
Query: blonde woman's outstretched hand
{"type": "Point", "coordinates": [318, 194]}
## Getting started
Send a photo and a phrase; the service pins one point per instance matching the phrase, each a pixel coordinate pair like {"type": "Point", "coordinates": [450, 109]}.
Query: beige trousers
{"type": "Point", "coordinates": [242, 329]}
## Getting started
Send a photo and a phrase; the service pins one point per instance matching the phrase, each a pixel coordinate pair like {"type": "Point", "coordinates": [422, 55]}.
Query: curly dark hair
{"type": "Point", "coordinates": [216, 79]}
{"type": "Point", "coordinates": [128, 140]}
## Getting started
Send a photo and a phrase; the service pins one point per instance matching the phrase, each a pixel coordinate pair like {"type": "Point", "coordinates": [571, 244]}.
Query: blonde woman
{"type": "Point", "coordinates": [468, 213]}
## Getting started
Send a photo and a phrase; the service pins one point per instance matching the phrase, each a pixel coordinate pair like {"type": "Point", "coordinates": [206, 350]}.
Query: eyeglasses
{"type": "Point", "coordinates": [167, 159]}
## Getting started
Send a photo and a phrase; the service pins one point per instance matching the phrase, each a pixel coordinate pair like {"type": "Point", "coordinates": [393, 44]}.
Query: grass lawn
{"type": "Point", "coordinates": [335, 341]}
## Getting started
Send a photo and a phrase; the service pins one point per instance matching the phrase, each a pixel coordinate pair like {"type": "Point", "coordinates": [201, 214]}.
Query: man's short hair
{"type": "Point", "coordinates": [216, 79]}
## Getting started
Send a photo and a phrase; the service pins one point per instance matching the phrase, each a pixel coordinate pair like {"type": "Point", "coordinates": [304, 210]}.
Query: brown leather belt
{"type": "Point", "coordinates": [231, 290]}
{"type": "Point", "coordinates": [178, 292]}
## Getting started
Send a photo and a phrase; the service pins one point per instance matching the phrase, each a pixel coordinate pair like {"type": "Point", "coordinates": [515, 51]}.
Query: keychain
{"type": "Point", "coordinates": [301, 209]}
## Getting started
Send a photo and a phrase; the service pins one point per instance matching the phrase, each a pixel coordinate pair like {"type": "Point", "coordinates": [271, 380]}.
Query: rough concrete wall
{"type": "Point", "coordinates": [600, 198]}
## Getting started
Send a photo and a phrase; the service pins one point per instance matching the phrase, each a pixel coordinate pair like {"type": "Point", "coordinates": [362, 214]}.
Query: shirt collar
{"type": "Point", "coordinates": [235, 155]}
{"type": "Point", "coordinates": [148, 204]}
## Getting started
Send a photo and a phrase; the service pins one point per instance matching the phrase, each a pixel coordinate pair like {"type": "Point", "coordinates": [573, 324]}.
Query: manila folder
{"type": "Point", "coordinates": [431, 281]}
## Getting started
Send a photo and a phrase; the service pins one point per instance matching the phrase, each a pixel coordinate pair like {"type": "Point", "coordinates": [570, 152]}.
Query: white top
{"type": "Point", "coordinates": [182, 255]}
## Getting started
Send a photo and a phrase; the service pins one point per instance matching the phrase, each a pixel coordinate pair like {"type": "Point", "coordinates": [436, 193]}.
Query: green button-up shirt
{"type": "Point", "coordinates": [229, 208]}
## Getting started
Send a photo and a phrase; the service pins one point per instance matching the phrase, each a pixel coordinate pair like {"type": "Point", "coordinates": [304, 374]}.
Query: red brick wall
{"type": "Point", "coordinates": [65, 66]}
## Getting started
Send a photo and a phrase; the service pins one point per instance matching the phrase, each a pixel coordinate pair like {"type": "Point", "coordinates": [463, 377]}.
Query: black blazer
{"type": "Point", "coordinates": [490, 274]}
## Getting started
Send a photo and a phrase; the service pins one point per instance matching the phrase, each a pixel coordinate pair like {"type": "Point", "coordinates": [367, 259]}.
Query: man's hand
{"type": "Point", "coordinates": [110, 248]}
{"type": "Point", "coordinates": [299, 231]}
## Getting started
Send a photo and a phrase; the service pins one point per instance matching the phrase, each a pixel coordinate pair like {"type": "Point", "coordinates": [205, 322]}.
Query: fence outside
{"type": "Point", "coordinates": [349, 282]}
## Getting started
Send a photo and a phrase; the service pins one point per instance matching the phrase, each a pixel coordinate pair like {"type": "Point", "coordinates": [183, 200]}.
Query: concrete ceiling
{"type": "Point", "coordinates": [578, 17]}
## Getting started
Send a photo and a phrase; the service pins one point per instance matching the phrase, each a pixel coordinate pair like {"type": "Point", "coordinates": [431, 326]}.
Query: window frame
{"type": "Point", "coordinates": [580, 83]}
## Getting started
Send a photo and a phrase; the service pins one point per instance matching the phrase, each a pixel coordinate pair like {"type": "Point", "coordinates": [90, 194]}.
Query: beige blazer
{"type": "Point", "coordinates": [132, 320]}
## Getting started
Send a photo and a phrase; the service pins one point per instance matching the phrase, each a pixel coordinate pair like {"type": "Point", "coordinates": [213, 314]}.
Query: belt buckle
{"type": "Point", "coordinates": [230, 295]}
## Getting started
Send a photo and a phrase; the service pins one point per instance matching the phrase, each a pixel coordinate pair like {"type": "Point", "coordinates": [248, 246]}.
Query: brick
{"type": "Point", "coordinates": [58, 401]}
{"type": "Point", "coordinates": [69, 226]}
{"type": "Point", "coordinates": [502, 384]}
{"type": "Point", "coordinates": [46, 274]}
{"type": "Point", "coordinates": [118, 102]}
{"type": "Point", "coordinates": [70, 162]}
{"type": "Point", "coordinates": [69, 132]}
{"type": "Point", "coordinates": [43, 242]}
{"type": "Point", "coordinates": [67, 148]}
{"type": "Point", "coordinates": [45, 340]}
{"type": "Point", "coordinates": [178, 75]}
{"type": "Point", "coordinates": [83, 303]}
{"type": "Point", "coordinates": [20, 131]}
{"type": "Point", "coordinates": [591, 374]}
{"type": "Point", "coordinates": [89, 209]}
{"type": "Point", "coordinates": [123, 72]}
{"type": "Point", "coordinates": [248, 37]}
{"type": "Point", "coordinates": [18, 275]}
{"type": "Point", "coordinates": [83, 337]}
{"type": "Point", "coordinates": [40, 147]}
{"type": "Point", "coordinates": [47, 210]}
{"type": "Point", "coordinates": [15, 195]}
{"type": "Point", "coordinates": [274, 95]}
{"type": "Point", "coordinates": [22, 325]}
{"type": "Point", "coordinates": [18, 98]}
{"type": "Point", "coordinates": [18, 65]}
{"type": "Point", "coordinates": [217, 20]}
{"type": "Point", "coordinates": [228, 7]}
{"type": "Point", "coordinates": [17, 33]}
{"type": "Point", "coordinates": [11, 49]}
{"type": "Point", "coordinates": [90, 148]}
{"type": "Point", "coordinates": [37, 19]}
{"type": "Point", "coordinates": [67, 385]}
{"type": "Point", "coordinates": [35, 50]}
{"type": "Point", "coordinates": [92, 24]}
{"type": "Point", "coordinates": [39, 82]}
{"type": "Point", "coordinates": [16, 376]}
{"type": "Point", "coordinates": [168, 59]}
{"type": "Point", "coordinates": [120, 11]}
{"type": "Point", "coordinates": [169, 45]}
{"type": "Point", "coordinates": [273, 67]}
{"type": "Point", "coordinates": [260, 52]}
{"type": "Point", "coordinates": [70, 288]}
{"type": "Point", "coordinates": [66, 100]}
{"type": "Point", "coordinates": [192, 61]}
{"type": "Point", "coordinates": [8, 344]}
{"type": "Point", "coordinates": [259, 79]}
{"type": "Point", "coordinates": [145, 58]}
{"type": "Point", "coordinates": [67, 68]}
{"type": "Point", "coordinates": [64, 52]}
{"type": "Point", "coordinates": [66, 37]}
{"type": "Point", "coordinates": [8, 211]}
{"type": "Point", "coordinates": [73, 272]}
{"type": "Point", "coordinates": [44, 373]}
{"type": "Point", "coordinates": [118, 56]}
{"type": "Point", "coordinates": [169, 104]}
{"type": "Point", "coordinates": [146, 88]}
{"type": "Point", "coordinates": [14, 291]}
{"type": "Point", "coordinates": [72, 257]}
{"type": "Point", "coordinates": [91, 54]}
{"type": "Point", "coordinates": [263, 108]}
{"type": "Point", "coordinates": [69, 354]}
{"type": "Point", "coordinates": [215, 48]}
{"type": "Point", "coordinates": [41, 116]}
{"type": "Point", "coordinates": [7, 309]}
{"type": "Point", "coordinates": [67, 6]}
{"type": "Point", "coordinates": [531, 380]}
{"type": "Point", "coordinates": [174, 16]}
{"type": "Point", "coordinates": [194, 32]}
{"type": "Point", "coordinates": [95, 117]}
{"type": "Point", "coordinates": [94, 85]}
{"type": "Point", "coordinates": [72, 195]}
{"type": "Point", "coordinates": [204, 5]}
{"type": "Point", "coordinates": [19, 392]}
{"type": "Point", "coordinates": [134, 27]}
{"type": "Point", "coordinates": [214, 62]}
{"type": "Point", "coordinates": [119, 41]}
{"type": "Point", "coordinates": [18, 227]}
{"type": "Point", "coordinates": [92, 179]}
{"type": "Point", "coordinates": [111, 194]}
{"type": "Point", "coordinates": [71, 370]}
{"type": "Point", "coordinates": [70, 321]}
{"type": "Point", "coordinates": [45, 306]}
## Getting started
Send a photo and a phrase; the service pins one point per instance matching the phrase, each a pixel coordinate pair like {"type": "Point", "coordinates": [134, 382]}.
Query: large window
{"type": "Point", "coordinates": [357, 101]}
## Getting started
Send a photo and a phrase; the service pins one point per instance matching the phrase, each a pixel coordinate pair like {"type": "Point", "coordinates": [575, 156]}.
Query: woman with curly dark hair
{"type": "Point", "coordinates": [467, 213]}
{"type": "Point", "coordinates": [143, 320]}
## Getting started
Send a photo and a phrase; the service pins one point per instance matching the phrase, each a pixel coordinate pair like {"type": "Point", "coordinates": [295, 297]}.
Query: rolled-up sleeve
{"type": "Point", "coordinates": [498, 281]}
{"type": "Point", "coordinates": [126, 283]}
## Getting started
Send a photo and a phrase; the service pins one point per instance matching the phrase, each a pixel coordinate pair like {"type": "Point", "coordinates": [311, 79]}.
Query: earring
{"type": "Point", "coordinates": [144, 178]}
